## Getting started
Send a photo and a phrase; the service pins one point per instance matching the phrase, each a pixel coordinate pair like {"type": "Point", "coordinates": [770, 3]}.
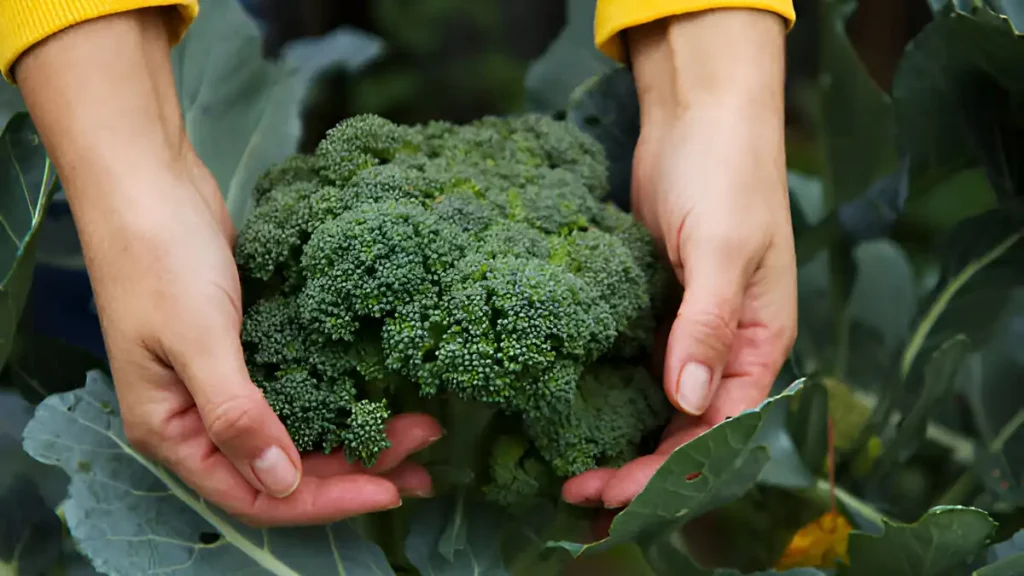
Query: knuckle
{"type": "Point", "coordinates": [230, 419]}
{"type": "Point", "coordinates": [733, 243]}
{"type": "Point", "coordinates": [712, 330]}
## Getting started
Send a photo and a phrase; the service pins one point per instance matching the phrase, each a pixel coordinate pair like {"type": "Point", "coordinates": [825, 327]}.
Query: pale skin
{"type": "Point", "coordinates": [709, 183]}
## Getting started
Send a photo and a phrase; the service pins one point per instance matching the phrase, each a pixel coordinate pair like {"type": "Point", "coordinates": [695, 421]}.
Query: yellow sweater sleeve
{"type": "Point", "coordinates": [615, 16]}
{"type": "Point", "coordinates": [27, 22]}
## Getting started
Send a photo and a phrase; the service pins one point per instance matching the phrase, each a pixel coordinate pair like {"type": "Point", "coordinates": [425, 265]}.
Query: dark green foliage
{"type": "Point", "coordinates": [400, 263]}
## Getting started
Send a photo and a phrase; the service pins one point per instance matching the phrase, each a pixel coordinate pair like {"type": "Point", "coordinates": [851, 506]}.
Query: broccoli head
{"type": "Point", "coordinates": [401, 265]}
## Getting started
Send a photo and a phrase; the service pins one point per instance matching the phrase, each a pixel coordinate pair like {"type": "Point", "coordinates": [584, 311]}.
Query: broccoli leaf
{"type": "Point", "coordinates": [713, 469]}
{"type": "Point", "coordinates": [159, 524]}
{"type": "Point", "coordinates": [606, 107]}
{"type": "Point", "coordinates": [1012, 11]}
{"type": "Point", "coordinates": [344, 48]}
{"type": "Point", "coordinates": [568, 61]}
{"type": "Point", "coordinates": [241, 111]}
{"type": "Point", "coordinates": [666, 557]}
{"type": "Point", "coordinates": [943, 540]}
{"type": "Point", "coordinates": [1005, 558]}
{"type": "Point", "coordinates": [27, 181]}
{"type": "Point", "coordinates": [982, 264]}
{"type": "Point", "coordinates": [856, 113]}
{"type": "Point", "coordinates": [31, 538]}
{"type": "Point", "coordinates": [479, 553]}
{"type": "Point", "coordinates": [809, 425]}
{"type": "Point", "coordinates": [939, 378]}
{"type": "Point", "coordinates": [957, 93]}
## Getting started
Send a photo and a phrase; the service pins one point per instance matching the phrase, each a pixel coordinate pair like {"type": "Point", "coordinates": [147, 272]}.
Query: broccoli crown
{"type": "Point", "coordinates": [398, 263]}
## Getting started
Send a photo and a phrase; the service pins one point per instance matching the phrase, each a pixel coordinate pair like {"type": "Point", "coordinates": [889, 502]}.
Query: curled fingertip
{"type": "Point", "coordinates": [585, 489]}
{"type": "Point", "coordinates": [630, 480]}
{"type": "Point", "coordinates": [412, 480]}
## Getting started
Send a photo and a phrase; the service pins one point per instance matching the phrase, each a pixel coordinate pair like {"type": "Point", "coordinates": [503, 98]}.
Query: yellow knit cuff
{"type": "Point", "coordinates": [24, 23]}
{"type": "Point", "coordinates": [614, 16]}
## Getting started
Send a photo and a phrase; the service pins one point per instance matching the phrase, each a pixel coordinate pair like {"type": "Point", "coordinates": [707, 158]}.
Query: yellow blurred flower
{"type": "Point", "coordinates": [819, 544]}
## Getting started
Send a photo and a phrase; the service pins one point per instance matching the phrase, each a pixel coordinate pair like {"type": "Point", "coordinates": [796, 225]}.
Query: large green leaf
{"type": "Point", "coordinates": [345, 48]}
{"type": "Point", "coordinates": [242, 112]}
{"type": "Point", "coordinates": [667, 557]}
{"type": "Point", "coordinates": [31, 533]}
{"type": "Point", "coordinates": [873, 214]}
{"type": "Point", "coordinates": [131, 516]}
{"type": "Point", "coordinates": [713, 469]}
{"type": "Point", "coordinates": [570, 60]}
{"type": "Point", "coordinates": [957, 92]}
{"type": "Point", "coordinates": [1005, 558]}
{"type": "Point", "coordinates": [982, 262]}
{"type": "Point", "coordinates": [11, 102]}
{"type": "Point", "coordinates": [27, 181]}
{"type": "Point", "coordinates": [480, 553]}
{"type": "Point", "coordinates": [942, 541]}
{"type": "Point", "coordinates": [1012, 10]}
{"type": "Point", "coordinates": [606, 107]}
{"type": "Point", "coordinates": [856, 115]}
{"type": "Point", "coordinates": [809, 425]}
{"type": "Point", "coordinates": [939, 378]}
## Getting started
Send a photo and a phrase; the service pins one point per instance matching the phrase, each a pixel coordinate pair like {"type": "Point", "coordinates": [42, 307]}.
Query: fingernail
{"type": "Point", "coordinates": [427, 493]}
{"type": "Point", "coordinates": [428, 441]}
{"type": "Point", "coordinates": [276, 472]}
{"type": "Point", "coordinates": [693, 388]}
{"type": "Point", "coordinates": [399, 505]}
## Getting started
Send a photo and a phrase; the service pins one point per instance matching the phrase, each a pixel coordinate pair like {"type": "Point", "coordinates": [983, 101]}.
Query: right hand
{"type": "Point", "coordinates": [168, 296]}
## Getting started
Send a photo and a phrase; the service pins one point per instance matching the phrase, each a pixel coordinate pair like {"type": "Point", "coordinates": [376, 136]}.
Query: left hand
{"type": "Point", "coordinates": [709, 182]}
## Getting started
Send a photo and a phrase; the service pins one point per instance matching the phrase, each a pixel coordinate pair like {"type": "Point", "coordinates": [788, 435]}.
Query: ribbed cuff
{"type": "Point", "coordinates": [612, 17]}
{"type": "Point", "coordinates": [24, 23]}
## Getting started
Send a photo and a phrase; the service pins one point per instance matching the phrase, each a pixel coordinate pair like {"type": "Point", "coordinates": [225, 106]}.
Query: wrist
{"type": "Point", "coordinates": [103, 97]}
{"type": "Point", "coordinates": [724, 60]}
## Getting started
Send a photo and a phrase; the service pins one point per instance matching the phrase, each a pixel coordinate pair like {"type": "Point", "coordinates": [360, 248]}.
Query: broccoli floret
{"type": "Point", "coordinates": [515, 475]}
{"type": "Point", "coordinates": [364, 438]}
{"type": "Point", "coordinates": [615, 406]}
{"type": "Point", "coordinates": [401, 264]}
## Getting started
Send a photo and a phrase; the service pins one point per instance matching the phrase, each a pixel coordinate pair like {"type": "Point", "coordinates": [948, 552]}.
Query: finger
{"type": "Point", "coordinates": [630, 480]}
{"type": "Point", "coordinates": [759, 351]}
{"type": "Point", "coordinates": [680, 430]}
{"type": "Point", "coordinates": [408, 433]}
{"type": "Point", "coordinates": [237, 417]}
{"type": "Point", "coordinates": [585, 489]}
{"type": "Point", "coordinates": [204, 467]}
{"type": "Point", "coordinates": [412, 480]}
{"type": "Point", "coordinates": [715, 279]}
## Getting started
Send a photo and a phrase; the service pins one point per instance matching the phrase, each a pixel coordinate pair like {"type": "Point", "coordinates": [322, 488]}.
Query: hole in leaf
{"type": "Point", "coordinates": [591, 120]}
{"type": "Point", "coordinates": [208, 538]}
{"type": "Point", "coordinates": [692, 476]}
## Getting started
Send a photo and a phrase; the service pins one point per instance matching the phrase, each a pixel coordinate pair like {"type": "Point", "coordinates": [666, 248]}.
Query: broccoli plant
{"type": "Point", "coordinates": [470, 271]}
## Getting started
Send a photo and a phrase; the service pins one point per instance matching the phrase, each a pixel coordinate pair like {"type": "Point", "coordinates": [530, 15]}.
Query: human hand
{"type": "Point", "coordinates": [157, 241]}
{"type": "Point", "coordinates": [168, 296]}
{"type": "Point", "coordinates": [709, 182]}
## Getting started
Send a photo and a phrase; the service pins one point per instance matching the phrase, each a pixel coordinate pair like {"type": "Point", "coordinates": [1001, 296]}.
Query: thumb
{"type": "Point", "coordinates": [704, 328]}
{"type": "Point", "coordinates": [237, 417]}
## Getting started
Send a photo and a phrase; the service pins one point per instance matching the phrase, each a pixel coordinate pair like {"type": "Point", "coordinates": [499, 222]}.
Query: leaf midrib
{"type": "Point", "coordinates": [226, 530]}
{"type": "Point", "coordinates": [946, 296]}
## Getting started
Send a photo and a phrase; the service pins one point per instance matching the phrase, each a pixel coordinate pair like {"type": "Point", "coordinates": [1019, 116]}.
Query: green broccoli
{"type": "Point", "coordinates": [403, 268]}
